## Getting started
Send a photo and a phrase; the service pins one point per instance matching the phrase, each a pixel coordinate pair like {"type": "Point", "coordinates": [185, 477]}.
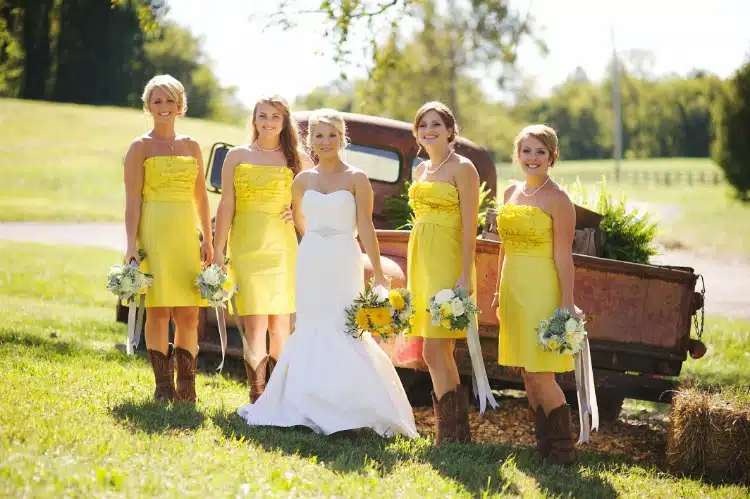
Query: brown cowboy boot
{"type": "Point", "coordinates": [256, 378]}
{"type": "Point", "coordinates": [560, 434]}
{"type": "Point", "coordinates": [540, 431]}
{"type": "Point", "coordinates": [452, 416]}
{"type": "Point", "coordinates": [271, 365]}
{"type": "Point", "coordinates": [163, 375]}
{"type": "Point", "coordinates": [463, 428]}
{"type": "Point", "coordinates": [186, 366]}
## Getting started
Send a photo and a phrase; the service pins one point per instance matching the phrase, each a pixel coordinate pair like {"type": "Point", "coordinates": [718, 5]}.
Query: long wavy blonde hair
{"type": "Point", "coordinates": [289, 134]}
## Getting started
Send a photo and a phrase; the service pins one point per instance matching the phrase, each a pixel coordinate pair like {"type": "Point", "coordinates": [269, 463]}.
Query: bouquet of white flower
{"type": "Point", "coordinates": [215, 286]}
{"type": "Point", "coordinates": [453, 309]}
{"type": "Point", "coordinates": [562, 333]}
{"type": "Point", "coordinates": [128, 282]}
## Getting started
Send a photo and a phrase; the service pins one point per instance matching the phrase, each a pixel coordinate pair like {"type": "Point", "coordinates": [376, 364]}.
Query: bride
{"type": "Point", "coordinates": [325, 379]}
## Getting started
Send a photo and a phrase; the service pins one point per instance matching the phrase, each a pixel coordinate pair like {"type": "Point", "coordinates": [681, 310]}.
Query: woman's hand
{"type": "Point", "coordinates": [380, 280]}
{"type": "Point", "coordinates": [287, 215]}
{"type": "Point", "coordinates": [207, 252]}
{"type": "Point", "coordinates": [465, 282]}
{"type": "Point", "coordinates": [495, 301]}
{"type": "Point", "coordinates": [131, 254]}
{"type": "Point", "coordinates": [219, 259]}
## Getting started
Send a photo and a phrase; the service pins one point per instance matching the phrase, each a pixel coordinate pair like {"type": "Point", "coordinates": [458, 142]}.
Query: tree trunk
{"type": "Point", "coordinates": [36, 44]}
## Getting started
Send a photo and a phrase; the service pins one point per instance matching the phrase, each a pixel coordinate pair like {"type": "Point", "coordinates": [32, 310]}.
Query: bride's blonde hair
{"type": "Point", "coordinates": [329, 117]}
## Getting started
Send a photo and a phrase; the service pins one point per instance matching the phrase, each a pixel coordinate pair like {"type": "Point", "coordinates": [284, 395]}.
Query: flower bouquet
{"type": "Point", "coordinates": [453, 309]}
{"type": "Point", "coordinates": [215, 286]}
{"type": "Point", "coordinates": [562, 333]}
{"type": "Point", "coordinates": [379, 311]}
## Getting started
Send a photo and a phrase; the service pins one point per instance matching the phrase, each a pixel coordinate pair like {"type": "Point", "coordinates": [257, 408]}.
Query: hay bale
{"type": "Point", "coordinates": [709, 434]}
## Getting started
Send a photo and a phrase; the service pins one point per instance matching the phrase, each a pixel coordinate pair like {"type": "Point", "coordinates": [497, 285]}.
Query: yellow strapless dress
{"type": "Point", "coordinates": [529, 289]}
{"type": "Point", "coordinates": [168, 231]}
{"type": "Point", "coordinates": [262, 247]}
{"type": "Point", "coordinates": [435, 251]}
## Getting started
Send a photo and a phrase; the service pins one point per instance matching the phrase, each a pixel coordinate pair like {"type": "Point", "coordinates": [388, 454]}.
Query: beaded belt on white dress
{"type": "Point", "coordinates": [329, 232]}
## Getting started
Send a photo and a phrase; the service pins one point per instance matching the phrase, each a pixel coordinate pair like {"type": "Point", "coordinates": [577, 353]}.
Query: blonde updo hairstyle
{"type": "Point", "coordinates": [329, 117]}
{"type": "Point", "coordinates": [170, 86]}
{"type": "Point", "coordinates": [544, 134]}
{"type": "Point", "coordinates": [289, 134]}
{"type": "Point", "coordinates": [445, 114]}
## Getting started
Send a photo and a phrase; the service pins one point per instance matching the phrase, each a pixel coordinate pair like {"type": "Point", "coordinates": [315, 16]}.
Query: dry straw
{"type": "Point", "coordinates": [709, 434]}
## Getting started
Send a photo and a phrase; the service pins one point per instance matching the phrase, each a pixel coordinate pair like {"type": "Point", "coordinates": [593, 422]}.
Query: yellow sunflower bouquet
{"type": "Point", "coordinates": [379, 311]}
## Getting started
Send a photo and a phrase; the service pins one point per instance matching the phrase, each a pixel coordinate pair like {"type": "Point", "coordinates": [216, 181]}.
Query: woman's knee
{"type": "Point", "coordinates": [186, 317]}
{"type": "Point", "coordinates": [158, 316]}
{"type": "Point", "coordinates": [436, 351]}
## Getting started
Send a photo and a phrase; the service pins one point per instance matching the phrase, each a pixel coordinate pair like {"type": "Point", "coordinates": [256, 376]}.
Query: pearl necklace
{"type": "Point", "coordinates": [267, 150]}
{"type": "Point", "coordinates": [441, 164]}
{"type": "Point", "coordinates": [523, 189]}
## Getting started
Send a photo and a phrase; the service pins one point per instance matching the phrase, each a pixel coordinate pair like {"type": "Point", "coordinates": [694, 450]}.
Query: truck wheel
{"type": "Point", "coordinates": [418, 386]}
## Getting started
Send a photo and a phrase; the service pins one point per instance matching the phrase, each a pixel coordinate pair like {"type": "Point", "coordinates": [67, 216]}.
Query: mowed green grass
{"type": "Point", "coordinates": [63, 162]}
{"type": "Point", "coordinates": [77, 420]}
{"type": "Point", "coordinates": [701, 217]}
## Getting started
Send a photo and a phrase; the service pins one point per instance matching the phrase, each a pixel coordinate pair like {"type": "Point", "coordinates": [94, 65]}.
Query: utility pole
{"type": "Point", "coordinates": [617, 108]}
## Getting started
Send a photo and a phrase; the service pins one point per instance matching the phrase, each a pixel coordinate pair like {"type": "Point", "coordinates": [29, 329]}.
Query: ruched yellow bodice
{"type": "Point", "coordinates": [266, 189]}
{"type": "Point", "coordinates": [525, 230]}
{"type": "Point", "coordinates": [435, 203]}
{"type": "Point", "coordinates": [169, 179]}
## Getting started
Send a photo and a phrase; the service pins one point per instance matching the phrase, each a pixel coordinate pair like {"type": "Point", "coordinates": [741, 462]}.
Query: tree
{"type": "Point", "coordinates": [731, 150]}
{"type": "Point", "coordinates": [466, 34]}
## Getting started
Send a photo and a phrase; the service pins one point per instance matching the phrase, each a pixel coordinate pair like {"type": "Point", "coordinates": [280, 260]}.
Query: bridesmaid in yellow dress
{"type": "Point", "coordinates": [254, 214]}
{"type": "Point", "coordinates": [165, 193]}
{"type": "Point", "coordinates": [536, 224]}
{"type": "Point", "coordinates": [442, 244]}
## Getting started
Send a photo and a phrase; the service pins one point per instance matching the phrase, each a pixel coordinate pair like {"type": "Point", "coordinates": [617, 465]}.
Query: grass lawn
{"type": "Point", "coordinates": [64, 161]}
{"type": "Point", "coordinates": [77, 419]}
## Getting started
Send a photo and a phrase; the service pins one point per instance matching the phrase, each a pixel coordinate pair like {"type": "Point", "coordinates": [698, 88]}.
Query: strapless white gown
{"type": "Point", "coordinates": [325, 379]}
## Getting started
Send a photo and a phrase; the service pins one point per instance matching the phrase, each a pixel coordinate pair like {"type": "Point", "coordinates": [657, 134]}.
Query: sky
{"type": "Point", "coordinates": [682, 35]}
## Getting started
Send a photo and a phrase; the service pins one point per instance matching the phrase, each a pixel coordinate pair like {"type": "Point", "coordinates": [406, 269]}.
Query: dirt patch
{"type": "Point", "coordinates": [644, 441]}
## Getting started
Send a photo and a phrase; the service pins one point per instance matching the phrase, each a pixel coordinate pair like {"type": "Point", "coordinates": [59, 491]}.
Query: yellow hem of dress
{"type": "Point", "coordinates": [535, 371]}
{"type": "Point", "coordinates": [447, 336]}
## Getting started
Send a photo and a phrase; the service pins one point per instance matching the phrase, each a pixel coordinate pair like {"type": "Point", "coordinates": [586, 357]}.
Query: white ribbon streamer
{"type": "Point", "coordinates": [135, 323]}
{"type": "Point", "coordinates": [586, 393]}
{"type": "Point", "coordinates": [245, 347]}
{"type": "Point", "coordinates": [481, 383]}
{"type": "Point", "coordinates": [220, 320]}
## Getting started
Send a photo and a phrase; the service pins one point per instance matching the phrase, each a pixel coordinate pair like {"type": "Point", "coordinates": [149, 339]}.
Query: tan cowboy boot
{"type": "Point", "coordinates": [163, 375]}
{"type": "Point", "coordinates": [256, 378]}
{"type": "Point", "coordinates": [186, 366]}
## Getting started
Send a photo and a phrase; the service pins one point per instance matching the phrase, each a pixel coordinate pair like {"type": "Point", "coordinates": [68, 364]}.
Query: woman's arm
{"type": "Point", "coordinates": [225, 210]}
{"type": "Point", "coordinates": [467, 184]}
{"type": "Point", "coordinates": [364, 197]}
{"type": "Point", "coordinates": [133, 170]}
{"type": "Point", "coordinates": [563, 230]}
{"type": "Point", "coordinates": [202, 207]}
{"type": "Point", "coordinates": [298, 190]}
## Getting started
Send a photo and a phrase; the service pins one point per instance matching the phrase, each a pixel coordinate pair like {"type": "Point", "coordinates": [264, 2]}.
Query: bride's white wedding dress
{"type": "Point", "coordinates": [325, 379]}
